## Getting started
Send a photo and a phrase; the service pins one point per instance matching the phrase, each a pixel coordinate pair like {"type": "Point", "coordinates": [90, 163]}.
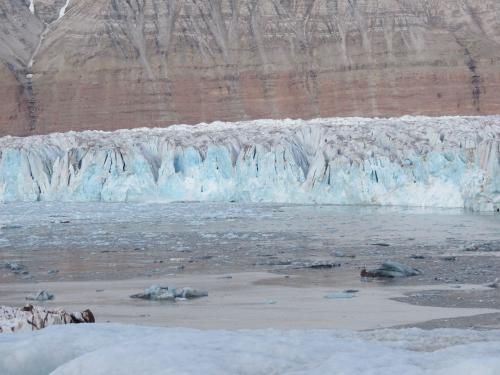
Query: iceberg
{"type": "Point", "coordinates": [408, 161]}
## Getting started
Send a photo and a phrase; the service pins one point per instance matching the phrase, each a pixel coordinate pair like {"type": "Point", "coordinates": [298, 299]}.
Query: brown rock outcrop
{"type": "Point", "coordinates": [109, 64]}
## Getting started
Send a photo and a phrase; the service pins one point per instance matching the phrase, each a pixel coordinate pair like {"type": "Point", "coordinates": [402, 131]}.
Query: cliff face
{"type": "Point", "coordinates": [109, 64]}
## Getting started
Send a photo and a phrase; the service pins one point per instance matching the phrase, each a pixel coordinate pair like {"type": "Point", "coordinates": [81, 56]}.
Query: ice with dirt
{"type": "Point", "coordinates": [410, 161]}
{"type": "Point", "coordinates": [94, 349]}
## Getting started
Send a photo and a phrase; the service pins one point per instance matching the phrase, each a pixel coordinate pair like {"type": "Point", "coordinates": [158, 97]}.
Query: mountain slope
{"type": "Point", "coordinates": [109, 64]}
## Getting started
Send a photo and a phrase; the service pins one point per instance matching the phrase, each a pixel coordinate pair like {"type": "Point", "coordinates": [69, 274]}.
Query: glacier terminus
{"type": "Point", "coordinates": [409, 161]}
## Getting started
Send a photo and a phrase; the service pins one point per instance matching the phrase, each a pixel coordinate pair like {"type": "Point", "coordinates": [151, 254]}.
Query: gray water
{"type": "Point", "coordinates": [116, 241]}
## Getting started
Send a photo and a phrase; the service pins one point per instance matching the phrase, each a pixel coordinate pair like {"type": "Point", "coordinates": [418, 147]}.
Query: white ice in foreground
{"type": "Point", "coordinates": [123, 350]}
{"type": "Point", "coordinates": [411, 161]}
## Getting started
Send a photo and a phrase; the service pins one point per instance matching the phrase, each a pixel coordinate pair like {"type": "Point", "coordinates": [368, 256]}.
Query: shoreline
{"type": "Point", "coordinates": [251, 300]}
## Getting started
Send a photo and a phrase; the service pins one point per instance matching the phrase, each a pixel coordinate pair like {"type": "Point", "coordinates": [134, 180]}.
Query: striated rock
{"type": "Point", "coordinates": [33, 318]}
{"type": "Point", "coordinates": [391, 269]}
{"type": "Point", "coordinates": [113, 64]}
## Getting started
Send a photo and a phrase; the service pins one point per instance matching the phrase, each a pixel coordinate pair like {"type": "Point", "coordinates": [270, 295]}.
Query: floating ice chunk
{"type": "Point", "coordinates": [160, 293]}
{"type": "Point", "coordinates": [317, 265]}
{"type": "Point", "coordinates": [495, 284]}
{"type": "Point", "coordinates": [156, 293]}
{"type": "Point", "coordinates": [391, 269]}
{"type": "Point", "coordinates": [271, 302]}
{"type": "Point", "coordinates": [15, 267]}
{"type": "Point", "coordinates": [491, 246]}
{"type": "Point", "coordinates": [190, 293]}
{"type": "Point", "coordinates": [340, 295]}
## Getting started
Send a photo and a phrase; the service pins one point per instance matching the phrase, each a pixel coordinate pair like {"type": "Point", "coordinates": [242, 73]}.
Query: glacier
{"type": "Point", "coordinates": [408, 161]}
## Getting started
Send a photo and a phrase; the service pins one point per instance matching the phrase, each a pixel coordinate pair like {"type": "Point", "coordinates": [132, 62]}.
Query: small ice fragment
{"type": "Point", "coordinates": [41, 296]}
{"type": "Point", "coordinates": [339, 295]}
{"type": "Point", "coordinates": [495, 284]}
{"type": "Point", "coordinates": [416, 256]}
{"type": "Point", "coordinates": [341, 254]}
{"type": "Point", "coordinates": [449, 258]}
{"type": "Point", "coordinates": [13, 266]}
{"type": "Point", "coordinates": [190, 293]}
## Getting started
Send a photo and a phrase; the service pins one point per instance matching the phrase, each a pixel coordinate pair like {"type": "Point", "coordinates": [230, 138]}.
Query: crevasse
{"type": "Point", "coordinates": [411, 161]}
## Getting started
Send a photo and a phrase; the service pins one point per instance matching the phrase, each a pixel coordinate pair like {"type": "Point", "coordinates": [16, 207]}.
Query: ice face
{"type": "Point", "coordinates": [411, 161]}
{"type": "Point", "coordinates": [94, 349]}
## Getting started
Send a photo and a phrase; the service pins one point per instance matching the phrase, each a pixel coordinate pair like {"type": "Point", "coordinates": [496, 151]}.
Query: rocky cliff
{"type": "Point", "coordinates": [109, 64]}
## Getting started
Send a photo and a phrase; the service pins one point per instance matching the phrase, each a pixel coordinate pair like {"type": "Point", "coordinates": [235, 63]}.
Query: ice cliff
{"type": "Point", "coordinates": [414, 161]}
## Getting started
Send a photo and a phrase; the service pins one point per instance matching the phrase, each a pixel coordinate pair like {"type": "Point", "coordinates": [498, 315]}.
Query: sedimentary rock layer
{"type": "Point", "coordinates": [439, 162]}
{"type": "Point", "coordinates": [110, 64]}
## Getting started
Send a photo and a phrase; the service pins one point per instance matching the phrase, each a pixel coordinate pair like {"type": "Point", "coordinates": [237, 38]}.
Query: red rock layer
{"type": "Point", "coordinates": [120, 64]}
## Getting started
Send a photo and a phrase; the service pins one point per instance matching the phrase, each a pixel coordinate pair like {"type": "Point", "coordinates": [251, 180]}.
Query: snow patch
{"type": "Point", "coordinates": [62, 11]}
